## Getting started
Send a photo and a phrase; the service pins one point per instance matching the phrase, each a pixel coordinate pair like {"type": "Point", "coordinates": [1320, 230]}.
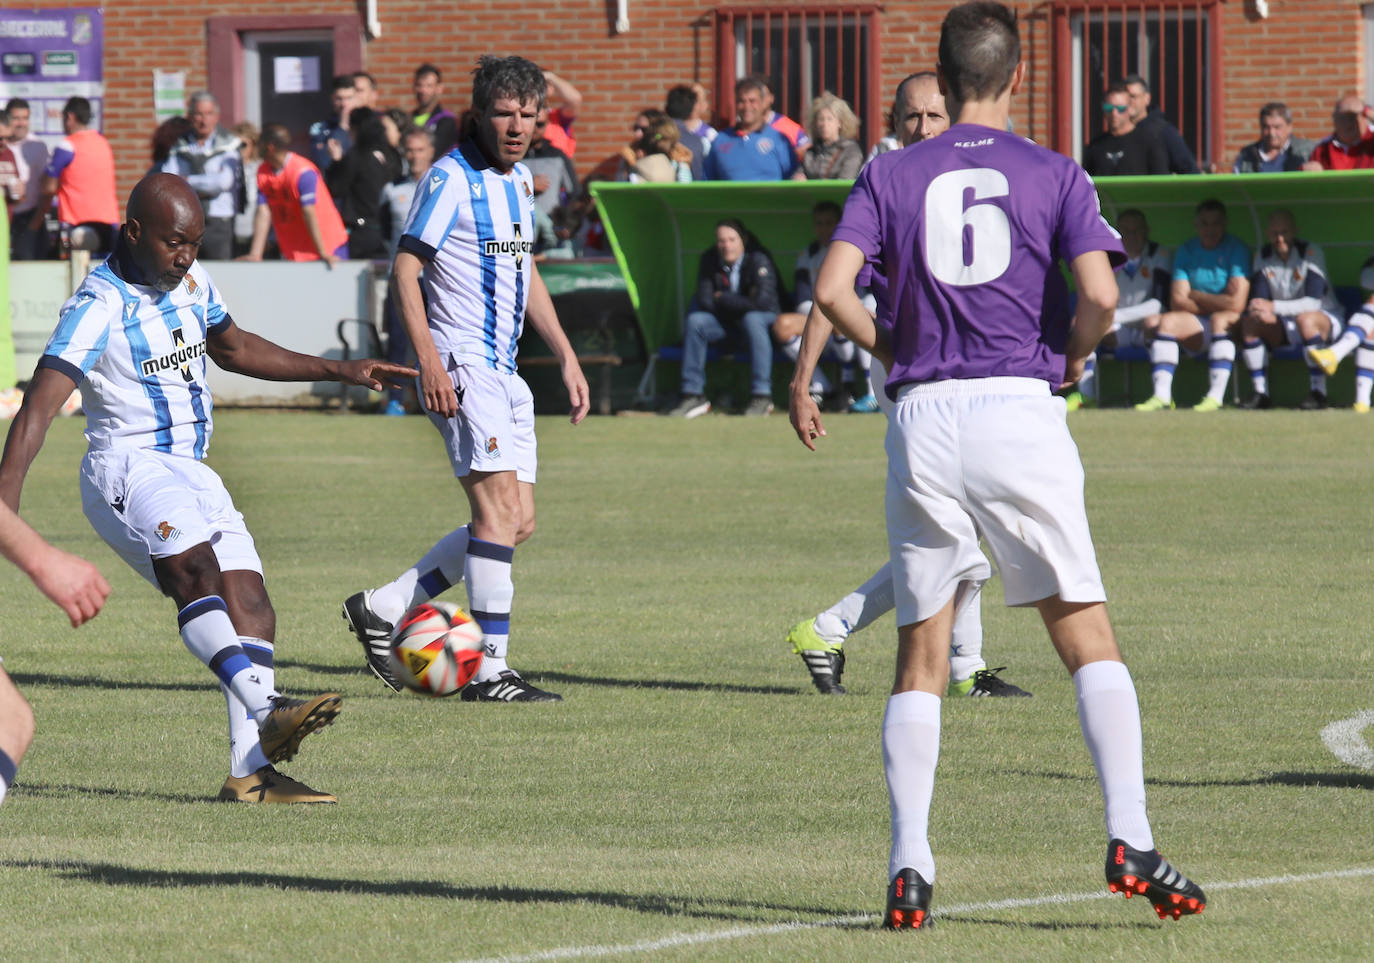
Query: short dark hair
{"type": "Point", "coordinates": [1276, 107]}
{"type": "Point", "coordinates": [4, 115]}
{"type": "Point", "coordinates": [1119, 87]}
{"type": "Point", "coordinates": [17, 103]}
{"type": "Point", "coordinates": [429, 68]}
{"type": "Point", "coordinates": [1210, 204]}
{"type": "Point", "coordinates": [513, 77]}
{"type": "Point", "coordinates": [275, 135]}
{"type": "Point", "coordinates": [78, 107]}
{"type": "Point", "coordinates": [1136, 79]}
{"type": "Point", "coordinates": [1133, 212]}
{"type": "Point", "coordinates": [364, 75]}
{"type": "Point", "coordinates": [827, 207]}
{"type": "Point", "coordinates": [751, 82]}
{"type": "Point", "coordinates": [341, 81]}
{"type": "Point", "coordinates": [680, 103]}
{"type": "Point", "coordinates": [979, 50]}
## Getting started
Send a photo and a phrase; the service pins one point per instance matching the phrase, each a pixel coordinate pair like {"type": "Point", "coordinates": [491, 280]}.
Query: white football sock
{"type": "Point", "coordinates": [1256, 357]}
{"type": "Point", "coordinates": [1163, 361]}
{"type": "Point", "coordinates": [1358, 329]}
{"type": "Point", "coordinates": [859, 609]}
{"type": "Point", "coordinates": [911, 749]}
{"type": "Point", "coordinates": [490, 593]}
{"type": "Point", "coordinates": [245, 751]}
{"type": "Point", "coordinates": [439, 570]}
{"type": "Point", "coordinates": [1364, 372]}
{"type": "Point", "coordinates": [209, 634]}
{"type": "Point", "coordinates": [8, 768]}
{"type": "Point", "coordinates": [1221, 359]}
{"type": "Point", "coordinates": [1109, 716]}
{"type": "Point", "coordinates": [966, 641]}
{"type": "Point", "coordinates": [1087, 385]}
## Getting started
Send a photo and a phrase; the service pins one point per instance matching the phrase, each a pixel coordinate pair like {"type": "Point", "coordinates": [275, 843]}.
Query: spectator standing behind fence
{"type": "Point", "coordinates": [1209, 290]}
{"type": "Point", "coordinates": [247, 135]}
{"type": "Point", "coordinates": [31, 157]}
{"type": "Point", "coordinates": [794, 132]}
{"type": "Point", "coordinates": [552, 171]}
{"type": "Point", "coordinates": [294, 201]}
{"type": "Point", "coordinates": [1291, 302]}
{"type": "Point", "coordinates": [365, 90]}
{"type": "Point", "coordinates": [11, 183]}
{"type": "Point", "coordinates": [356, 182]}
{"type": "Point", "coordinates": [679, 105]}
{"type": "Point", "coordinates": [1124, 148]}
{"type": "Point", "coordinates": [165, 139]}
{"type": "Point", "coordinates": [1153, 121]}
{"type": "Point", "coordinates": [655, 156]}
{"type": "Point", "coordinates": [835, 153]}
{"type": "Point", "coordinates": [1351, 143]}
{"type": "Point", "coordinates": [428, 87]}
{"type": "Point", "coordinates": [209, 160]}
{"type": "Point", "coordinates": [751, 150]}
{"type": "Point", "coordinates": [330, 139]}
{"type": "Point", "coordinates": [737, 290]}
{"type": "Point", "coordinates": [417, 144]}
{"type": "Point", "coordinates": [700, 124]}
{"type": "Point", "coordinates": [1277, 149]}
{"type": "Point", "coordinates": [81, 176]}
{"type": "Point", "coordinates": [559, 131]}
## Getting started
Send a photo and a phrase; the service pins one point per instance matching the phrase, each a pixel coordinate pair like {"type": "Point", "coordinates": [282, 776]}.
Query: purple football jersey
{"type": "Point", "coordinates": [967, 231]}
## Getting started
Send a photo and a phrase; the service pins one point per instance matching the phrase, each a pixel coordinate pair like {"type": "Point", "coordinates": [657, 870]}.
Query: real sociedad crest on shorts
{"type": "Point", "coordinates": [492, 448]}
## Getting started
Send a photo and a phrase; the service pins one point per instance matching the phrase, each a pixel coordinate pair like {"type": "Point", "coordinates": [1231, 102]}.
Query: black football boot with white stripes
{"type": "Point", "coordinates": [374, 632]}
{"type": "Point", "coordinates": [1133, 872]}
{"type": "Point", "coordinates": [506, 687]}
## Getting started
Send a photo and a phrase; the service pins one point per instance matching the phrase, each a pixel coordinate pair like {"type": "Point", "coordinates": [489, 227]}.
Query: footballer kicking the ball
{"type": "Point", "coordinates": [134, 337]}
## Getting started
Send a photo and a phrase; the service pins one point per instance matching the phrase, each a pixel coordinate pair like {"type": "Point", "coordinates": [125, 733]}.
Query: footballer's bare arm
{"type": "Point", "coordinates": [43, 399]}
{"type": "Point", "coordinates": [245, 353]}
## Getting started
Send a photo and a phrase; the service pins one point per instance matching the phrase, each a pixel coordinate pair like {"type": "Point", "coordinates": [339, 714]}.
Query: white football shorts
{"type": "Point", "coordinates": [494, 427]}
{"type": "Point", "coordinates": [148, 504]}
{"type": "Point", "coordinates": [1292, 336]}
{"type": "Point", "coordinates": [991, 456]}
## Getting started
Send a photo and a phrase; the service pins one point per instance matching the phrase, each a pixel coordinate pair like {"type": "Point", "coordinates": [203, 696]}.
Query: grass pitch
{"type": "Point", "coordinates": [693, 798]}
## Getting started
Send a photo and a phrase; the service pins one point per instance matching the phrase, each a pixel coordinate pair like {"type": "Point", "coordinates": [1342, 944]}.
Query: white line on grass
{"type": "Point", "coordinates": [959, 909]}
{"type": "Point", "coordinates": [1345, 740]}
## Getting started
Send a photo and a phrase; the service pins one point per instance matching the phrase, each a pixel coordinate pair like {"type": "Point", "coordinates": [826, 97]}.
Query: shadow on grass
{"type": "Point", "coordinates": [1061, 925]}
{"type": "Point", "coordinates": [1326, 780]}
{"type": "Point", "coordinates": [671, 684]}
{"type": "Point", "coordinates": [60, 791]}
{"type": "Point", "coordinates": [94, 682]}
{"type": "Point", "coordinates": [111, 874]}
{"type": "Point", "coordinates": [350, 668]}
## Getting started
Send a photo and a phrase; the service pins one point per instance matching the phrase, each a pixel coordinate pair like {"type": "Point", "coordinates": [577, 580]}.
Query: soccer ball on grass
{"type": "Point", "coordinates": [436, 649]}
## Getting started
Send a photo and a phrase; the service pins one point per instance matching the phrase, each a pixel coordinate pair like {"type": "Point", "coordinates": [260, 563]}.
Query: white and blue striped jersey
{"type": "Point", "coordinates": [475, 227]}
{"type": "Point", "coordinates": [138, 355]}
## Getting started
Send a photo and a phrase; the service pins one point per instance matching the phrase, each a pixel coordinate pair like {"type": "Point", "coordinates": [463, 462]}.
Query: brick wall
{"type": "Point", "coordinates": [1305, 54]}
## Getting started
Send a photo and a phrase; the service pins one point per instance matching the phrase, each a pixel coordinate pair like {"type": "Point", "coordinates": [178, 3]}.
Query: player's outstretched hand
{"type": "Point", "coordinates": [72, 582]}
{"type": "Point", "coordinates": [367, 371]}
{"type": "Point", "coordinates": [805, 416]}
{"type": "Point", "coordinates": [578, 393]}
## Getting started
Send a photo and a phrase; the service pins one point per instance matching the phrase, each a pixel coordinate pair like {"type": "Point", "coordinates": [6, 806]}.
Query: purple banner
{"type": "Point", "coordinates": [47, 56]}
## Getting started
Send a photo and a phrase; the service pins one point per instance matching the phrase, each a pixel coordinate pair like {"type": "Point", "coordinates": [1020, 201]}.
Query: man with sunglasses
{"type": "Point", "coordinates": [1125, 148]}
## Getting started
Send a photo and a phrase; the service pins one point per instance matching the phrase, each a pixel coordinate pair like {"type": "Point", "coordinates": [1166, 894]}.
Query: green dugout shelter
{"type": "Point", "coordinates": [658, 231]}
